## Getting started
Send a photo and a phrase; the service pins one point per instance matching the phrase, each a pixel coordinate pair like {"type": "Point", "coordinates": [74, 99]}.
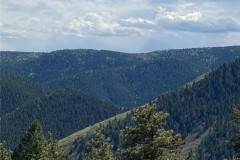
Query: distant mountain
{"type": "Point", "coordinates": [199, 111]}
{"type": "Point", "coordinates": [61, 111]}
{"type": "Point", "coordinates": [124, 79]}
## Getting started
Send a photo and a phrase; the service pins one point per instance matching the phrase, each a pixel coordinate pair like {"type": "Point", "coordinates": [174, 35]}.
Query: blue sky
{"type": "Point", "coordinates": [121, 25]}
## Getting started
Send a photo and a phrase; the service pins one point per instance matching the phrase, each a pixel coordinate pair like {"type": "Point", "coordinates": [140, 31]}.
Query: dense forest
{"type": "Point", "coordinates": [145, 140]}
{"type": "Point", "coordinates": [34, 145]}
{"type": "Point", "coordinates": [61, 111]}
{"type": "Point", "coordinates": [69, 90]}
{"type": "Point", "coordinates": [124, 79]}
{"type": "Point", "coordinates": [205, 106]}
{"type": "Point", "coordinates": [200, 108]}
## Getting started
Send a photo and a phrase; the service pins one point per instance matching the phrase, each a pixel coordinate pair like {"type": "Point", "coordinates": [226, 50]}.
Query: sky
{"type": "Point", "coordinates": [131, 26]}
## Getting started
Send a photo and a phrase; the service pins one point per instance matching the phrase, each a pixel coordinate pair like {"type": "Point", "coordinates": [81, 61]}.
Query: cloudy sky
{"type": "Point", "coordinates": [122, 25]}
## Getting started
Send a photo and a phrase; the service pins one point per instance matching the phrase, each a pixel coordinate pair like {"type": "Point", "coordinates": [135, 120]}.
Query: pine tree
{"type": "Point", "coordinates": [5, 154]}
{"type": "Point", "coordinates": [54, 152]}
{"type": "Point", "coordinates": [35, 146]}
{"type": "Point", "coordinates": [148, 140]}
{"type": "Point", "coordinates": [236, 115]}
{"type": "Point", "coordinates": [236, 140]}
{"type": "Point", "coordinates": [99, 148]}
{"type": "Point", "coordinates": [32, 146]}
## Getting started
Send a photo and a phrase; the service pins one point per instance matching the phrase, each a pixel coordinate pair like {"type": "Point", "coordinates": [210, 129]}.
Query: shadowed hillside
{"type": "Point", "coordinates": [199, 111]}
{"type": "Point", "coordinates": [61, 111]}
{"type": "Point", "coordinates": [124, 79]}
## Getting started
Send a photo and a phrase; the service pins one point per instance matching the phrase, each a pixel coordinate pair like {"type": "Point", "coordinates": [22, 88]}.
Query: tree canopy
{"type": "Point", "coordinates": [236, 140]}
{"type": "Point", "coordinates": [35, 146]}
{"type": "Point", "coordinates": [148, 140]}
{"type": "Point", "coordinates": [5, 154]}
{"type": "Point", "coordinates": [99, 148]}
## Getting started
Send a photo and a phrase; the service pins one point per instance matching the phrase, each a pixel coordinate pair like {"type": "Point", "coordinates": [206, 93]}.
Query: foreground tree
{"type": "Point", "coordinates": [148, 140]}
{"type": "Point", "coordinates": [5, 154]}
{"type": "Point", "coordinates": [99, 148]}
{"type": "Point", "coordinates": [34, 146]}
{"type": "Point", "coordinates": [236, 140]}
{"type": "Point", "coordinates": [53, 150]}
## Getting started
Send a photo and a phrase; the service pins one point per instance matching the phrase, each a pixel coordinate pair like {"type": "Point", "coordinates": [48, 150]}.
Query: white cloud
{"type": "Point", "coordinates": [11, 34]}
{"type": "Point", "coordinates": [144, 26]}
{"type": "Point", "coordinates": [138, 20]}
{"type": "Point", "coordinates": [126, 25]}
{"type": "Point", "coordinates": [98, 24]}
{"type": "Point", "coordinates": [191, 16]}
{"type": "Point", "coordinates": [195, 19]}
{"type": "Point", "coordinates": [179, 13]}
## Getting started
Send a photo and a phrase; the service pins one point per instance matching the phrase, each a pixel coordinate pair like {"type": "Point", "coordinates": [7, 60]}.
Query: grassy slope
{"type": "Point", "coordinates": [67, 141]}
{"type": "Point", "coordinates": [226, 75]}
{"type": "Point", "coordinates": [192, 141]}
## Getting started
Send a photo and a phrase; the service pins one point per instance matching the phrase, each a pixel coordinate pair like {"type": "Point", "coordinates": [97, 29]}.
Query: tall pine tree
{"type": "Point", "coordinates": [35, 146]}
{"type": "Point", "coordinates": [148, 140]}
{"type": "Point", "coordinates": [32, 145]}
{"type": "Point", "coordinates": [99, 148]}
{"type": "Point", "coordinates": [236, 140]}
{"type": "Point", "coordinates": [53, 150]}
{"type": "Point", "coordinates": [5, 154]}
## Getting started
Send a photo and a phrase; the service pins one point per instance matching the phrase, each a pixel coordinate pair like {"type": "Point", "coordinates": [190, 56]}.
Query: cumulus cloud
{"type": "Point", "coordinates": [98, 24]}
{"type": "Point", "coordinates": [175, 16]}
{"type": "Point", "coordinates": [11, 34]}
{"type": "Point", "coordinates": [163, 14]}
{"type": "Point", "coordinates": [126, 25]}
{"type": "Point", "coordinates": [146, 25]}
{"type": "Point", "coordinates": [138, 21]}
{"type": "Point", "coordinates": [185, 18]}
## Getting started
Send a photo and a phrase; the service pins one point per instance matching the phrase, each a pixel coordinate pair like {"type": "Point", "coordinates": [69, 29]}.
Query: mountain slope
{"type": "Point", "coordinates": [199, 111]}
{"type": "Point", "coordinates": [206, 105]}
{"type": "Point", "coordinates": [61, 111]}
{"type": "Point", "coordinates": [124, 79]}
{"type": "Point", "coordinates": [69, 140]}
{"type": "Point", "coordinates": [21, 90]}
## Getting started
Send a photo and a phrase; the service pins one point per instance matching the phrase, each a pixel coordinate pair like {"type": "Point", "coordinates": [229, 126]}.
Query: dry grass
{"type": "Point", "coordinates": [192, 143]}
{"type": "Point", "coordinates": [67, 141]}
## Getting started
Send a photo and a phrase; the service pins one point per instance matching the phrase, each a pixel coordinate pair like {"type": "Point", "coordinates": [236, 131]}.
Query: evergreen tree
{"type": "Point", "coordinates": [148, 140]}
{"type": "Point", "coordinates": [35, 146]}
{"type": "Point", "coordinates": [32, 146]}
{"type": "Point", "coordinates": [236, 140]}
{"type": "Point", "coordinates": [236, 115]}
{"type": "Point", "coordinates": [99, 148]}
{"type": "Point", "coordinates": [5, 154]}
{"type": "Point", "coordinates": [54, 152]}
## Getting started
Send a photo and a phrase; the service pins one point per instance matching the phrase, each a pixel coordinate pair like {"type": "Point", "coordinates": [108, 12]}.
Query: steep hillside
{"type": "Point", "coordinates": [124, 79]}
{"type": "Point", "coordinates": [69, 140]}
{"type": "Point", "coordinates": [21, 90]}
{"type": "Point", "coordinates": [199, 111]}
{"type": "Point", "coordinates": [206, 105]}
{"type": "Point", "coordinates": [61, 111]}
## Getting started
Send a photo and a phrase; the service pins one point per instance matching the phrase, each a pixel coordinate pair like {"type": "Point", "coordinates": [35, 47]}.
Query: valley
{"type": "Point", "coordinates": [73, 92]}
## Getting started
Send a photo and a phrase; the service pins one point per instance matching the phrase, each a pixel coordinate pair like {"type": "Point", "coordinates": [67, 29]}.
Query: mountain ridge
{"type": "Point", "coordinates": [199, 111]}
{"type": "Point", "coordinates": [61, 111]}
{"type": "Point", "coordinates": [66, 141]}
{"type": "Point", "coordinates": [115, 76]}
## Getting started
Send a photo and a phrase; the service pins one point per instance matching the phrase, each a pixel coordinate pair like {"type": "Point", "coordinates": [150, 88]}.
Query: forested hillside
{"type": "Point", "coordinates": [61, 111]}
{"type": "Point", "coordinates": [205, 106]}
{"type": "Point", "coordinates": [124, 79]}
{"type": "Point", "coordinates": [200, 108]}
